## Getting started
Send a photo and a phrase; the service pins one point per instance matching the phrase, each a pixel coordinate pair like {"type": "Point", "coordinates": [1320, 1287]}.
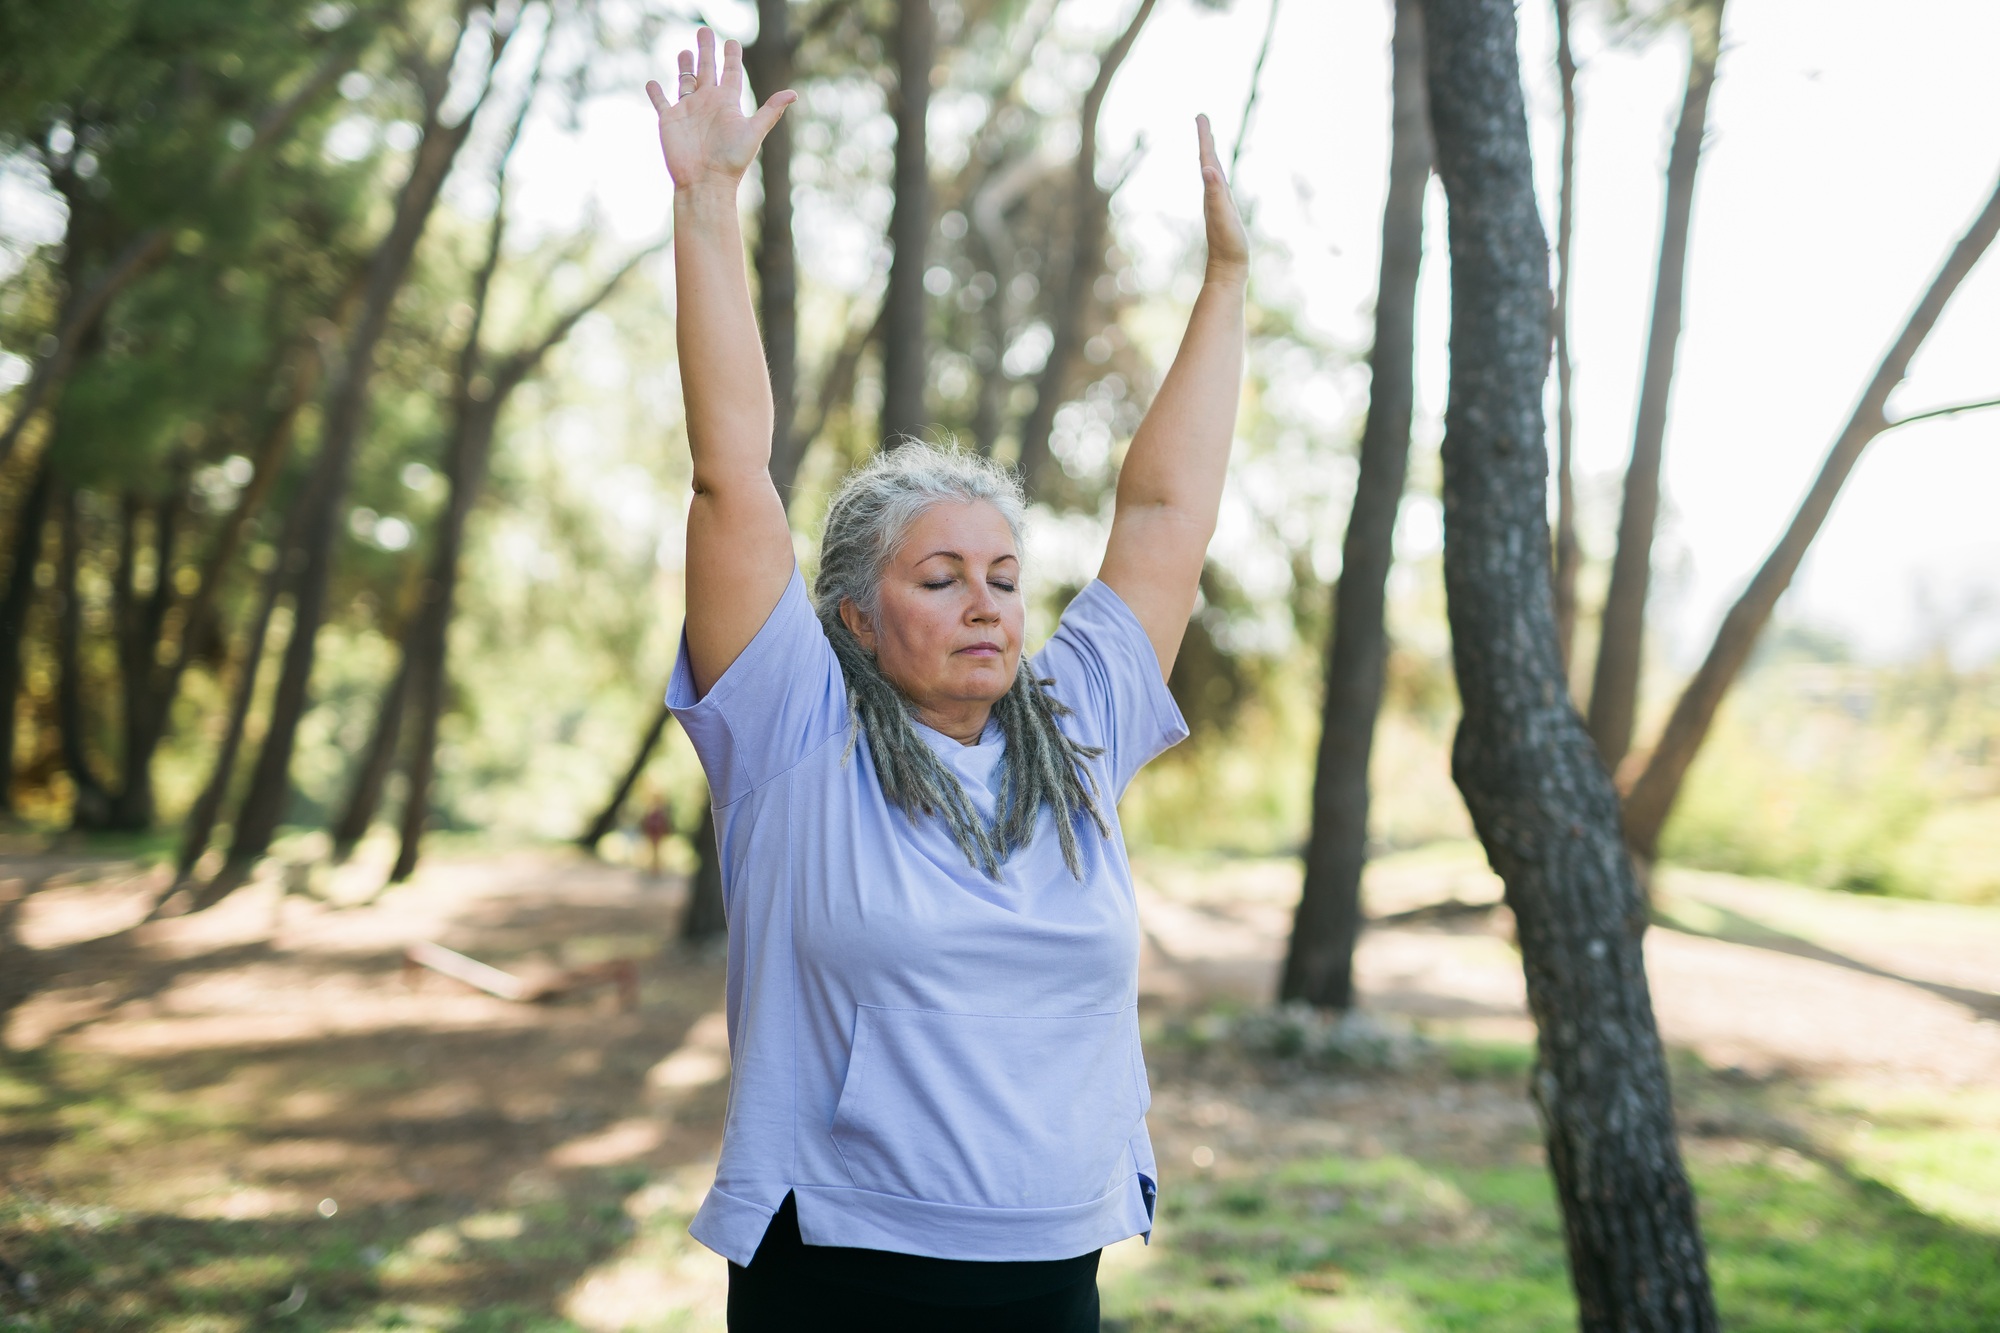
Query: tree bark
{"type": "Point", "coordinates": [1568, 555]}
{"type": "Point", "coordinates": [378, 756]}
{"type": "Point", "coordinates": [607, 818]}
{"type": "Point", "coordinates": [904, 347]}
{"type": "Point", "coordinates": [1542, 803]}
{"type": "Point", "coordinates": [1614, 692]}
{"type": "Point", "coordinates": [207, 808]}
{"type": "Point", "coordinates": [29, 522]}
{"type": "Point", "coordinates": [1090, 217]}
{"type": "Point", "coordinates": [1319, 967]}
{"type": "Point", "coordinates": [768, 61]}
{"type": "Point", "coordinates": [346, 416]}
{"type": "Point", "coordinates": [702, 919]}
{"type": "Point", "coordinates": [91, 808]}
{"type": "Point", "coordinates": [1652, 795]}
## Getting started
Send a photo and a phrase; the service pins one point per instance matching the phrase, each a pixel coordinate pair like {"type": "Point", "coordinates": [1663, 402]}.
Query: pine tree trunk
{"type": "Point", "coordinates": [607, 818]}
{"type": "Point", "coordinates": [91, 808]}
{"type": "Point", "coordinates": [768, 62]}
{"type": "Point", "coordinates": [346, 418]}
{"type": "Point", "coordinates": [1089, 217]}
{"type": "Point", "coordinates": [29, 522]}
{"type": "Point", "coordinates": [703, 920]}
{"type": "Point", "coordinates": [1652, 796]}
{"type": "Point", "coordinates": [378, 757]}
{"type": "Point", "coordinates": [207, 807]}
{"type": "Point", "coordinates": [904, 359]}
{"type": "Point", "coordinates": [1568, 556]}
{"type": "Point", "coordinates": [1614, 691]}
{"type": "Point", "coordinates": [1319, 967]}
{"type": "Point", "coordinates": [1541, 801]}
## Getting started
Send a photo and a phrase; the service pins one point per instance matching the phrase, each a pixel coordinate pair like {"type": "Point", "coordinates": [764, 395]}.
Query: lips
{"type": "Point", "coordinates": [980, 650]}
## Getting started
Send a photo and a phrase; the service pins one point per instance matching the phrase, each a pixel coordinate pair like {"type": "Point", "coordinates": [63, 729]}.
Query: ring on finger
{"type": "Point", "coordinates": [689, 77]}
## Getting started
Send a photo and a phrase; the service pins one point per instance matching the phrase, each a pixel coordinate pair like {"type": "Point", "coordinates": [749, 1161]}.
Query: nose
{"type": "Point", "coordinates": [985, 607]}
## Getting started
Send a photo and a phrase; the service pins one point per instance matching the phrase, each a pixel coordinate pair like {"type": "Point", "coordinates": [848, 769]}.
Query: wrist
{"type": "Point", "coordinates": [1229, 274]}
{"type": "Point", "coordinates": [707, 191]}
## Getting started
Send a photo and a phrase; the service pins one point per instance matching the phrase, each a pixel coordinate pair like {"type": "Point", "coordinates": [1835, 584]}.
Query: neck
{"type": "Point", "coordinates": [963, 722]}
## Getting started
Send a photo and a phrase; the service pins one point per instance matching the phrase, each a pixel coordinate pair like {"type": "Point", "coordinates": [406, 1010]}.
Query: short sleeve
{"type": "Point", "coordinates": [779, 700]}
{"type": "Point", "coordinates": [1106, 671]}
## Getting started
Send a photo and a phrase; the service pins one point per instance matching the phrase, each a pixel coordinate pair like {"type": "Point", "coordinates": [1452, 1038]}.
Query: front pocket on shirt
{"type": "Point", "coordinates": [990, 1111]}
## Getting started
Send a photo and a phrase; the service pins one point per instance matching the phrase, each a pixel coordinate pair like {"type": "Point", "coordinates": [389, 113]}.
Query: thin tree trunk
{"type": "Point", "coordinates": [702, 919]}
{"type": "Point", "coordinates": [1652, 796]}
{"type": "Point", "coordinates": [1319, 967]}
{"type": "Point", "coordinates": [378, 757]}
{"type": "Point", "coordinates": [141, 622]}
{"type": "Point", "coordinates": [1614, 692]}
{"type": "Point", "coordinates": [207, 808]}
{"type": "Point", "coordinates": [29, 522]}
{"type": "Point", "coordinates": [1568, 556]}
{"type": "Point", "coordinates": [466, 471]}
{"type": "Point", "coordinates": [768, 61]}
{"type": "Point", "coordinates": [607, 818]}
{"type": "Point", "coordinates": [92, 805]}
{"type": "Point", "coordinates": [1541, 801]}
{"type": "Point", "coordinates": [1090, 215]}
{"type": "Point", "coordinates": [346, 416]}
{"type": "Point", "coordinates": [904, 358]}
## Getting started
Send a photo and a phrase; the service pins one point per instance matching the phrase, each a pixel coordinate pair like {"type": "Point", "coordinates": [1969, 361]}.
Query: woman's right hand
{"type": "Point", "coordinates": [704, 134]}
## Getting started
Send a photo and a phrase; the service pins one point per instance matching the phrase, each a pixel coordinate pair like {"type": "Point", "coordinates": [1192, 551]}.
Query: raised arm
{"type": "Point", "coordinates": [1170, 486]}
{"type": "Point", "coordinates": [739, 547]}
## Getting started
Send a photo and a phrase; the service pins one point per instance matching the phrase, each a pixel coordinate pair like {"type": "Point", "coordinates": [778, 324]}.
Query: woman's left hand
{"type": "Point", "coordinates": [1228, 244]}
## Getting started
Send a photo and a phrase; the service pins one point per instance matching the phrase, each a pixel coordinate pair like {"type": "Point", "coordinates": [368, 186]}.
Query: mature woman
{"type": "Point", "coordinates": [937, 1114]}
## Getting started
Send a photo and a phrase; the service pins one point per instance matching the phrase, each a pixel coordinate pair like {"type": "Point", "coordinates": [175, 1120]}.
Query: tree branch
{"type": "Point", "coordinates": [1952, 411]}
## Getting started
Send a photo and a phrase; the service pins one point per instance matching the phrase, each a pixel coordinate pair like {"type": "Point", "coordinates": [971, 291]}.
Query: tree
{"type": "Point", "coordinates": [1319, 966]}
{"type": "Point", "coordinates": [29, 521]}
{"type": "Point", "coordinates": [905, 365]}
{"type": "Point", "coordinates": [1541, 801]}
{"type": "Point", "coordinates": [1614, 691]}
{"type": "Point", "coordinates": [346, 413]}
{"type": "Point", "coordinates": [1652, 795]}
{"type": "Point", "coordinates": [1090, 218]}
{"type": "Point", "coordinates": [1568, 555]}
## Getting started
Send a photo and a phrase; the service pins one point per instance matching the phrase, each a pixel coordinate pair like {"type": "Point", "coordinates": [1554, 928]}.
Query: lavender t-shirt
{"type": "Point", "coordinates": [934, 1062]}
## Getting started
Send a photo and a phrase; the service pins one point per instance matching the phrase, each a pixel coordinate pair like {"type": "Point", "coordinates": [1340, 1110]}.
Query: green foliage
{"type": "Point", "coordinates": [1877, 780]}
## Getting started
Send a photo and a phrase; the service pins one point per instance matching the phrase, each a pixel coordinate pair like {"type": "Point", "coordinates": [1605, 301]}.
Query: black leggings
{"type": "Point", "coordinates": [792, 1287]}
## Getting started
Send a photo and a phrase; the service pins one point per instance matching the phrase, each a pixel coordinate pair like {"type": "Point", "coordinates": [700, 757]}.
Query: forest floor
{"type": "Point", "coordinates": [253, 1118]}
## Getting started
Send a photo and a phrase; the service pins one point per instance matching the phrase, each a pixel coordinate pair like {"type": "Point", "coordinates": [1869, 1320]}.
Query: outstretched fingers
{"type": "Point", "coordinates": [1211, 164]}
{"type": "Point", "coordinates": [704, 66]}
{"type": "Point", "coordinates": [732, 68]}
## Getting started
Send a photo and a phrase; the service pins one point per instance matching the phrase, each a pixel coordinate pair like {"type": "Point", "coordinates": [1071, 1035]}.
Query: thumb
{"type": "Point", "coordinates": [774, 107]}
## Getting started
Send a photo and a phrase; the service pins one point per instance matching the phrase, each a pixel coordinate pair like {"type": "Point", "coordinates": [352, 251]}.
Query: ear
{"type": "Point", "coordinates": [857, 624]}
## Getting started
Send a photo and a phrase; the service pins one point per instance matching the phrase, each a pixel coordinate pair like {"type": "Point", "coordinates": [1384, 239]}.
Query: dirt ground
{"type": "Point", "coordinates": [197, 1102]}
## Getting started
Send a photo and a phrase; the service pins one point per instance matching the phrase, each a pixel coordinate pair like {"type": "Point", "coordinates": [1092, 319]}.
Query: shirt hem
{"type": "Point", "coordinates": [842, 1215]}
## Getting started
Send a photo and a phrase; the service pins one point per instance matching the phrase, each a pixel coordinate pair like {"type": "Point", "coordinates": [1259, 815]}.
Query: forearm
{"type": "Point", "coordinates": [1180, 453]}
{"type": "Point", "coordinates": [724, 382]}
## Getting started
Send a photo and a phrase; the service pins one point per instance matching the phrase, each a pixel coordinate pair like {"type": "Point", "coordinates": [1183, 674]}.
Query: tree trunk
{"type": "Point", "coordinates": [904, 359]}
{"type": "Point", "coordinates": [768, 61]}
{"type": "Point", "coordinates": [1614, 692]}
{"type": "Point", "coordinates": [465, 469]}
{"type": "Point", "coordinates": [141, 623]}
{"type": "Point", "coordinates": [378, 757]}
{"type": "Point", "coordinates": [1569, 556]}
{"type": "Point", "coordinates": [346, 416]}
{"type": "Point", "coordinates": [607, 818]}
{"type": "Point", "coordinates": [207, 808]}
{"type": "Point", "coordinates": [1652, 796]}
{"type": "Point", "coordinates": [703, 920]}
{"type": "Point", "coordinates": [1319, 967]}
{"type": "Point", "coordinates": [92, 805]}
{"type": "Point", "coordinates": [29, 522]}
{"type": "Point", "coordinates": [1090, 215]}
{"type": "Point", "coordinates": [1542, 803]}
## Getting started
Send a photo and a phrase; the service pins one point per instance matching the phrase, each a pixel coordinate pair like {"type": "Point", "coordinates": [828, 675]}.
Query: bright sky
{"type": "Point", "coordinates": [1849, 146]}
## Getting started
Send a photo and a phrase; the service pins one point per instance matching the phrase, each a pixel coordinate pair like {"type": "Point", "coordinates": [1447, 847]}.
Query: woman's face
{"type": "Point", "coordinates": [948, 628]}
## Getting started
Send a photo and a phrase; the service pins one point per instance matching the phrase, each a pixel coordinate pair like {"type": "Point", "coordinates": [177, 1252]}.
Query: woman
{"type": "Point", "coordinates": [936, 1115]}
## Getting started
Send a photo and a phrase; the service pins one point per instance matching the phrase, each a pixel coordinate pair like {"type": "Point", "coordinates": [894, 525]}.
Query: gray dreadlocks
{"type": "Point", "coordinates": [865, 524]}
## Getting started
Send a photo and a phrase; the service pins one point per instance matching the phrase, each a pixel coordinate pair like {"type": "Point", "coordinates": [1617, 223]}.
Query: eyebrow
{"type": "Point", "coordinates": [954, 555]}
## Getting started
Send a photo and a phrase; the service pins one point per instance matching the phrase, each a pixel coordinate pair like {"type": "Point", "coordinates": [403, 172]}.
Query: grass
{"type": "Point", "coordinates": [1799, 1241]}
